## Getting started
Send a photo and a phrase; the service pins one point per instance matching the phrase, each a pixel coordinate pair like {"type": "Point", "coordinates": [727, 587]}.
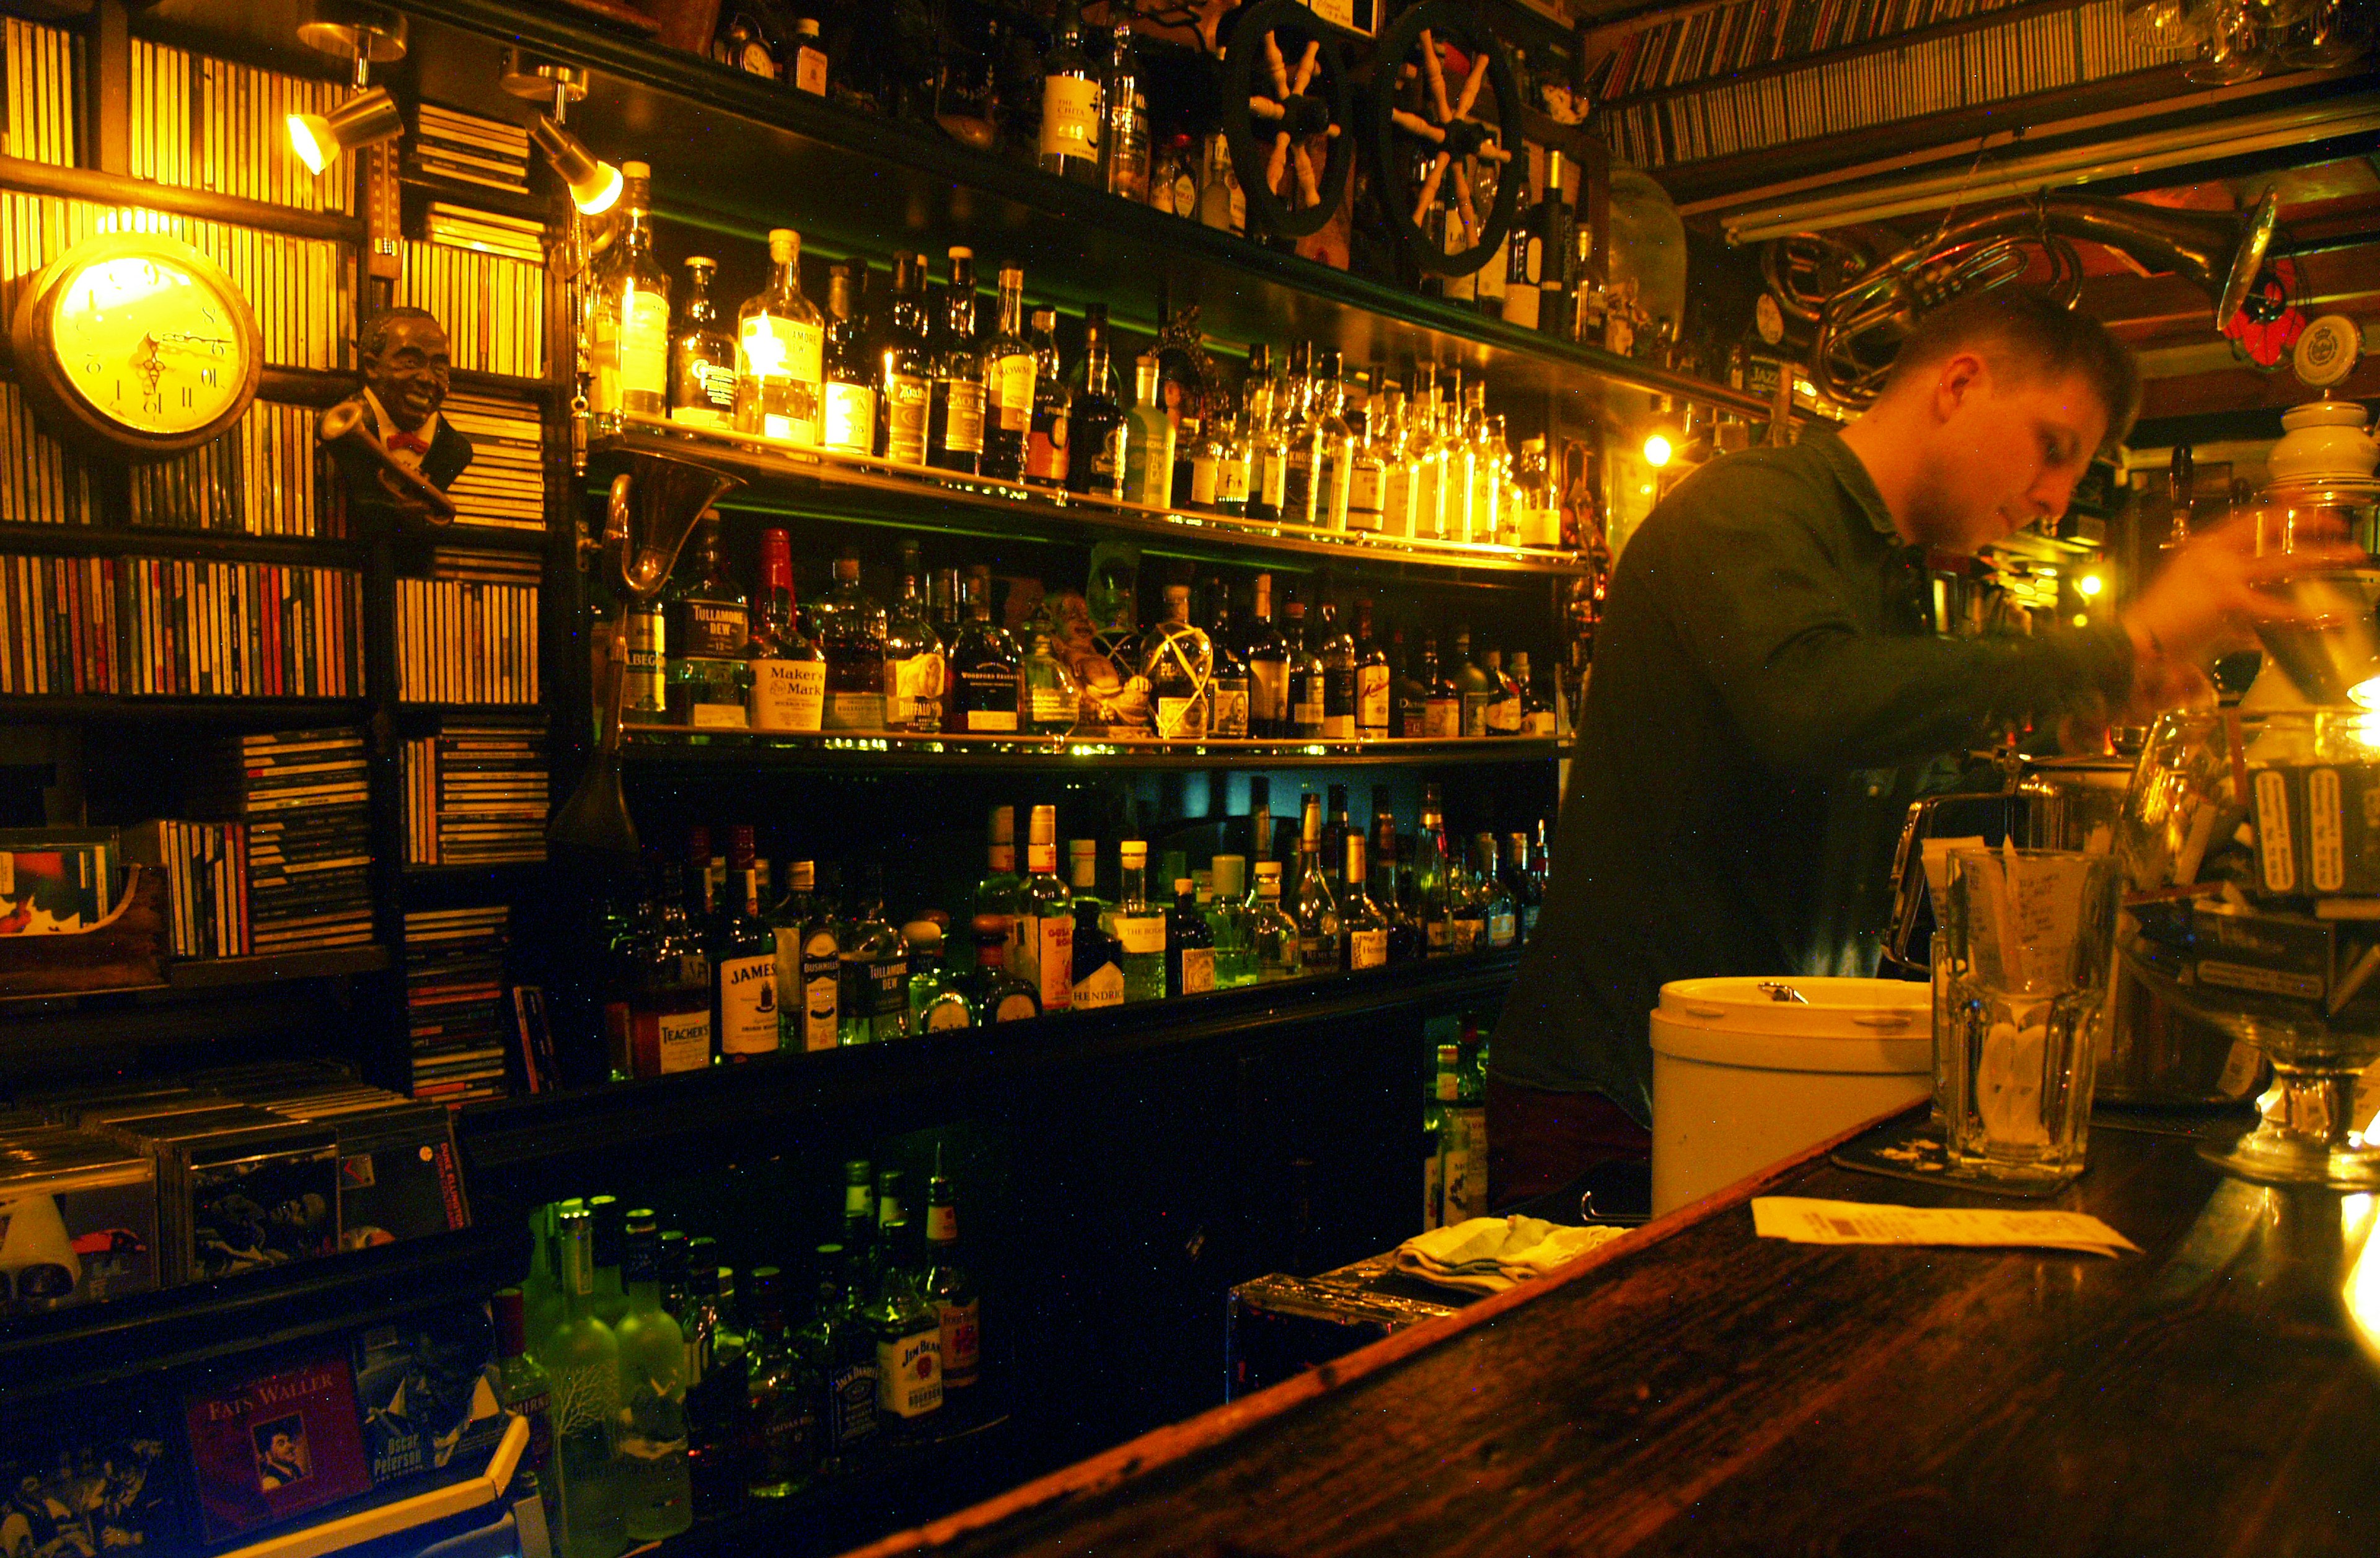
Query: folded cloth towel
{"type": "Point", "coordinates": [1491, 1254]}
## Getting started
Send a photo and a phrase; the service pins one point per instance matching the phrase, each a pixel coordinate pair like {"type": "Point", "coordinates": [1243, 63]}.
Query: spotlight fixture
{"type": "Point", "coordinates": [594, 186]}
{"type": "Point", "coordinates": [369, 35]}
{"type": "Point", "coordinates": [1658, 449]}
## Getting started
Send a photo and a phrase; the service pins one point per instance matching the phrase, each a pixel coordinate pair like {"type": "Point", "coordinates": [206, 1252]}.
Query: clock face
{"type": "Point", "coordinates": [149, 344]}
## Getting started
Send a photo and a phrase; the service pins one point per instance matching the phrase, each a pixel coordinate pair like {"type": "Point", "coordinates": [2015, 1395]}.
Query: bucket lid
{"type": "Point", "coordinates": [1838, 1025]}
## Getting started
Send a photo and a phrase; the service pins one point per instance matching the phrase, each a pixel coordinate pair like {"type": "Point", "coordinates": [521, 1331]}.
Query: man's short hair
{"type": "Point", "coordinates": [373, 337]}
{"type": "Point", "coordinates": [2027, 328]}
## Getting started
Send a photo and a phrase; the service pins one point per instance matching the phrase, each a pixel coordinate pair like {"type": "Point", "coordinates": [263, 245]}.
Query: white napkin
{"type": "Point", "coordinates": [1491, 1254]}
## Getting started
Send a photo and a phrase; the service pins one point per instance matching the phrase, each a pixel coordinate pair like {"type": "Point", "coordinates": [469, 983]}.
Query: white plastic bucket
{"type": "Point", "coordinates": [1742, 1079]}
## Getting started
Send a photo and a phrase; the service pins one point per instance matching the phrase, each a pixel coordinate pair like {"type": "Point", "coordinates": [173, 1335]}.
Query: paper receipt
{"type": "Point", "coordinates": [1803, 1221]}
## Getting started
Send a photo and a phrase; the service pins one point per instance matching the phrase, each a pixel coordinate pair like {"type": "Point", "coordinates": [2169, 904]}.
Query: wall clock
{"type": "Point", "coordinates": [135, 344]}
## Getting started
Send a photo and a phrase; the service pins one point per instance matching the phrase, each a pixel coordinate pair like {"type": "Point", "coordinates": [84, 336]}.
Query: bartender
{"type": "Point", "coordinates": [1769, 688]}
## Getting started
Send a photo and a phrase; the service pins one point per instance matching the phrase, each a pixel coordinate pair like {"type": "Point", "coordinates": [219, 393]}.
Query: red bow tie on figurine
{"type": "Point", "coordinates": [412, 441]}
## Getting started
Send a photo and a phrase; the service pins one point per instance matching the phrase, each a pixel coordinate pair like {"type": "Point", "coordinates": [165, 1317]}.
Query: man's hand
{"type": "Point", "coordinates": [2215, 586]}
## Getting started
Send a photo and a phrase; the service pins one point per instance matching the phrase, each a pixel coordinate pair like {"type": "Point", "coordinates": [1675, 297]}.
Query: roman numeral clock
{"type": "Point", "coordinates": [135, 344]}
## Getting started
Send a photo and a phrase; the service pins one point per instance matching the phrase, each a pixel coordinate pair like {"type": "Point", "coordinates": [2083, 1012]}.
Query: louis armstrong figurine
{"type": "Point", "coordinates": [394, 451]}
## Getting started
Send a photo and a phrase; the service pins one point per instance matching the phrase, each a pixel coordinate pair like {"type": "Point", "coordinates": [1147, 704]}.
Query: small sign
{"type": "Point", "coordinates": [2327, 351]}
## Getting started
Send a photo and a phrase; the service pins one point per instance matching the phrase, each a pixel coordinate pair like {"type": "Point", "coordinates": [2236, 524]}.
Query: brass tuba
{"type": "Point", "coordinates": [1861, 324]}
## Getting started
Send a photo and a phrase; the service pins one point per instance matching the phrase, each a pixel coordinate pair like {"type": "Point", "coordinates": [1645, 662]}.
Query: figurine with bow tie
{"type": "Point", "coordinates": [396, 453]}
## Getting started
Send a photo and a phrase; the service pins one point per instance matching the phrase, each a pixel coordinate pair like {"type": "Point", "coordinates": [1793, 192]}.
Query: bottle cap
{"type": "Point", "coordinates": [801, 876]}
{"type": "Point", "coordinates": [961, 251]}
{"type": "Point", "coordinates": [635, 170]}
{"type": "Point", "coordinates": [807, 27]}
{"type": "Point", "coordinates": [922, 934]}
{"type": "Point", "coordinates": [1011, 275]}
{"type": "Point", "coordinates": [1267, 869]}
{"type": "Point", "coordinates": [1135, 852]}
{"type": "Point", "coordinates": [700, 262]}
{"type": "Point", "coordinates": [1045, 824]}
{"type": "Point", "coordinates": [1182, 884]}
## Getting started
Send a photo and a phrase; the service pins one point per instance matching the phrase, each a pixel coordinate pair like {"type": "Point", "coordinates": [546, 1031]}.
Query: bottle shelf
{"type": "Point", "coordinates": [785, 478]}
{"type": "Point", "coordinates": [857, 184]}
{"type": "Point", "coordinates": [679, 747]}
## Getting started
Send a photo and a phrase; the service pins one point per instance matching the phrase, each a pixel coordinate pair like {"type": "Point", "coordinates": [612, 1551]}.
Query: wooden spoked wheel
{"type": "Point", "coordinates": [1287, 117]}
{"type": "Point", "coordinates": [1430, 131]}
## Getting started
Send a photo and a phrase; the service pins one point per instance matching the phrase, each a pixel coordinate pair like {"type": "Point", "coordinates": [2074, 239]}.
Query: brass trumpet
{"type": "Point", "coordinates": [346, 421]}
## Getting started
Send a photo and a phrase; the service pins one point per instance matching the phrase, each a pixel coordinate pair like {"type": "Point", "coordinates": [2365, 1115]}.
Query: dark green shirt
{"type": "Point", "coordinates": [1766, 689]}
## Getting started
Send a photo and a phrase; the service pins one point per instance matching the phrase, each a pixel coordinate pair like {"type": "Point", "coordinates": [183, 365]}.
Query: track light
{"type": "Point", "coordinates": [594, 184]}
{"type": "Point", "coordinates": [1658, 449]}
{"type": "Point", "coordinates": [320, 139]}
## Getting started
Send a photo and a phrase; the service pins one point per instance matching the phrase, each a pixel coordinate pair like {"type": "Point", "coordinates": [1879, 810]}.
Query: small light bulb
{"type": "Point", "coordinates": [2082, 619]}
{"type": "Point", "coordinates": [2090, 584]}
{"type": "Point", "coordinates": [1658, 450]}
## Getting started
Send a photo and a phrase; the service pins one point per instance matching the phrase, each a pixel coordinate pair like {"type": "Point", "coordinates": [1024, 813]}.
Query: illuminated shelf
{"type": "Point", "coordinates": [676, 746]}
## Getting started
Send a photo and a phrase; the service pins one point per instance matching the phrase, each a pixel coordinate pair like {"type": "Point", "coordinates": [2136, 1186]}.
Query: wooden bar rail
{"type": "Point", "coordinates": [1695, 1389]}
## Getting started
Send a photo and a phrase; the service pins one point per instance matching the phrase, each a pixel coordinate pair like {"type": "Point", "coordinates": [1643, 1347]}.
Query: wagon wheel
{"type": "Point", "coordinates": [1284, 86]}
{"type": "Point", "coordinates": [1430, 131]}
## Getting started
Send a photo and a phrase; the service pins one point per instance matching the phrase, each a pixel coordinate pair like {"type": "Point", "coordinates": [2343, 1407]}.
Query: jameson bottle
{"type": "Point", "coordinates": [581, 1359]}
{"type": "Point", "coordinates": [787, 672]}
{"type": "Point", "coordinates": [1010, 370]}
{"type": "Point", "coordinates": [652, 1439]}
{"type": "Point", "coordinates": [949, 1288]}
{"type": "Point", "coordinates": [905, 366]}
{"type": "Point", "coordinates": [847, 409]}
{"type": "Point", "coordinates": [702, 355]}
{"type": "Point", "coordinates": [628, 317]}
{"type": "Point", "coordinates": [781, 350]}
{"type": "Point", "coordinates": [744, 960]}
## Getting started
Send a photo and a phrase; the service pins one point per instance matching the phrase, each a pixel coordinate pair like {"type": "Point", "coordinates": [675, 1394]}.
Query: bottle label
{"type": "Point", "coordinates": [1053, 961]}
{"type": "Point", "coordinates": [1442, 719]}
{"type": "Point", "coordinates": [945, 1015]}
{"type": "Point", "coordinates": [644, 344]}
{"type": "Point", "coordinates": [1367, 498]}
{"type": "Point", "coordinates": [703, 392]}
{"type": "Point", "coordinates": [1148, 467]}
{"type": "Point", "coordinates": [1499, 931]}
{"type": "Point", "coordinates": [851, 1404]}
{"type": "Point", "coordinates": [1396, 500]}
{"type": "Point", "coordinates": [1372, 701]}
{"type": "Point", "coordinates": [1269, 691]}
{"type": "Point", "coordinates": [648, 691]}
{"type": "Point", "coordinates": [962, 416]}
{"type": "Point", "coordinates": [1438, 935]}
{"type": "Point", "coordinates": [1463, 935]}
{"type": "Point", "coordinates": [1012, 391]}
{"type": "Point", "coordinates": [941, 1227]}
{"type": "Point", "coordinates": [1205, 473]}
{"type": "Point", "coordinates": [1230, 719]}
{"type": "Point", "coordinates": [909, 1373]}
{"type": "Point", "coordinates": [1475, 707]}
{"type": "Point", "coordinates": [1140, 934]}
{"type": "Point", "coordinates": [854, 711]}
{"type": "Point", "coordinates": [1103, 986]}
{"type": "Point", "coordinates": [1504, 717]}
{"type": "Point", "coordinates": [1540, 722]}
{"type": "Point", "coordinates": [1016, 1006]}
{"type": "Point", "coordinates": [991, 721]}
{"type": "Point", "coordinates": [1197, 970]}
{"type": "Point", "coordinates": [907, 404]}
{"type": "Point", "coordinates": [1297, 485]}
{"type": "Point", "coordinates": [1053, 706]}
{"type": "Point", "coordinates": [679, 1041]}
{"type": "Point", "coordinates": [1339, 727]}
{"type": "Point", "coordinates": [1231, 479]}
{"type": "Point", "coordinates": [788, 694]}
{"type": "Point", "coordinates": [1316, 953]}
{"type": "Point", "coordinates": [713, 630]}
{"type": "Point", "coordinates": [1180, 719]}
{"type": "Point", "coordinates": [888, 992]}
{"type": "Point", "coordinates": [1367, 949]}
{"type": "Point", "coordinates": [787, 357]}
{"type": "Point", "coordinates": [962, 1344]}
{"type": "Point", "coordinates": [1070, 117]}
{"type": "Point", "coordinates": [1045, 449]}
{"type": "Point", "coordinates": [1520, 302]}
{"type": "Point", "coordinates": [809, 71]}
{"type": "Point", "coordinates": [1528, 920]}
{"type": "Point", "coordinates": [850, 423]}
{"type": "Point", "coordinates": [806, 974]}
{"type": "Point", "coordinates": [1307, 716]}
{"type": "Point", "coordinates": [1272, 481]}
{"type": "Point", "coordinates": [747, 1005]}
{"type": "Point", "coordinates": [914, 689]}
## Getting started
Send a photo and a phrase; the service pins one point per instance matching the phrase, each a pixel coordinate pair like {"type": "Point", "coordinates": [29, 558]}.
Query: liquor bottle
{"type": "Point", "coordinates": [1431, 876]}
{"type": "Point", "coordinates": [809, 62]}
{"type": "Point", "coordinates": [1071, 107]}
{"type": "Point", "coordinates": [1334, 448]}
{"type": "Point", "coordinates": [1148, 440]}
{"type": "Point", "coordinates": [1138, 926]}
{"type": "Point", "coordinates": [1524, 886]}
{"type": "Point", "coordinates": [1525, 256]}
{"type": "Point", "coordinates": [1189, 943]}
{"type": "Point", "coordinates": [1559, 273]}
{"type": "Point", "coordinates": [1386, 432]}
{"type": "Point", "coordinates": [780, 350]}
{"type": "Point", "coordinates": [645, 698]}
{"type": "Point", "coordinates": [720, 1367]}
{"type": "Point", "coordinates": [949, 1288]}
{"type": "Point", "coordinates": [784, 673]}
{"type": "Point", "coordinates": [1466, 919]}
{"type": "Point", "coordinates": [1047, 445]}
{"type": "Point", "coordinates": [628, 315]}
{"type": "Point", "coordinates": [1421, 453]}
{"type": "Point", "coordinates": [1474, 686]}
{"type": "Point", "coordinates": [1469, 1116]}
{"type": "Point", "coordinates": [669, 1007]}
{"type": "Point", "coordinates": [1539, 503]}
{"type": "Point", "coordinates": [1443, 698]}
{"type": "Point", "coordinates": [1308, 679]}
{"type": "Point", "coordinates": [1268, 460]}
{"type": "Point", "coordinates": [650, 1442]}
{"type": "Point", "coordinates": [954, 422]}
{"type": "Point", "coordinates": [1315, 911]}
{"type": "Point", "coordinates": [843, 1356]}
{"type": "Point", "coordinates": [847, 387]}
{"type": "Point", "coordinates": [1455, 1165]}
{"type": "Point", "coordinates": [1270, 929]}
{"type": "Point", "coordinates": [1337, 654]}
{"type": "Point", "coordinates": [708, 624]}
{"type": "Point", "coordinates": [903, 361]}
{"type": "Point", "coordinates": [1178, 659]}
{"type": "Point", "coordinates": [1336, 826]}
{"type": "Point", "coordinates": [874, 998]}
{"type": "Point", "coordinates": [986, 666]}
{"type": "Point", "coordinates": [995, 994]}
{"type": "Point", "coordinates": [1404, 932]}
{"type": "Point", "coordinates": [908, 1342]}
{"type": "Point", "coordinates": [1498, 914]}
{"type": "Point", "coordinates": [1466, 412]}
{"type": "Point", "coordinates": [1260, 830]}
{"type": "Point", "coordinates": [851, 635]}
{"type": "Point", "coordinates": [1095, 454]}
{"type": "Point", "coordinates": [1228, 447]}
{"type": "Point", "coordinates": [1123, 130]}
{"type": "Point", "coordinates": [914, 672]}
{"type": "Point", "coordinates": [522, 1384]}
{"type": "Point", "coordinates": [611, 1247]}
{"type": "Point", "coordinates": [1051, 701]}
{"type": "Point", "coordinates": [743, 961]}
{"type": "Point", "coordinates": [996, 893]}
{"type": "Point", "coordinates": [1099, 966]}
{"type": "Point", "coordinates": [1368, 670]}
{"type": "Point", "coordinates": [1536, 714]}
{"type": "Point", "coordinates": [1503, 514]}
{"type": "Point", "coordinates": [1505, 709]}
{"type": "Point", "coordinates": [581, 1359]}
{"type": "Point", "coordinates": [1371, 457]}
{"type": "Point", "coordinates": [1296, 411]}
{"type": "Point", "coordinates": [702, 355]}
{"type": "Point", "coordinates": [1229, 922]}
{"type": "Point", "coordinates": [1409, 705]}
{"type": "Point", "coordinates": [858, 1229]}
{"type": "Point", "coordinates": [1268, 656]}
{"type": "Point", "coordinates": [1044, 938]}
{"type": "Point", "coordinates": [1362, 928]}
{"type": "Point", "coordinates": [809, 962]}
{"type": "Point", "coordinates": [1226, 684]}
{"type": "Point", "coordinates": [927, 933]}
{"type": "Point", "coordinates": [1009, 366]}
{"type": "Point", "coordinates": [783, 1396]}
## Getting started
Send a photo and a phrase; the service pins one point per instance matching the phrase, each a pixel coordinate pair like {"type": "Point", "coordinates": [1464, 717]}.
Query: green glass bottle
{"type": "Point", "coordinates": [657, 1491]}
{"type": "Point", "coordinates": [1228, 922]}
{"type": "Point", "coordinates": [581, 1359]}
{"type": "Point", "coordinates": [522, 1386]}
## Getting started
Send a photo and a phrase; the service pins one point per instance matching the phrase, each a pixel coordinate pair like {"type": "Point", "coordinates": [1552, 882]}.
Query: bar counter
{"type": "Point", "coordinates": [1693, 1388]}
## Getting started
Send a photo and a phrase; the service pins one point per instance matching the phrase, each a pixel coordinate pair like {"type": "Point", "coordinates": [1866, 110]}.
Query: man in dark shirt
{"type": "Point", "coordinates": [1767, 687]}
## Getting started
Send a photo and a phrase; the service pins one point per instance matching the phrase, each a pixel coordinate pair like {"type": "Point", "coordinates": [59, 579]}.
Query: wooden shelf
{"type": "Point", "coordinates": [230, 714]}
{"type": "Point", "coordinates": [784, 478]}
{"type": "Point", "coordinates": [138, 541]}
{"type": "Point", "coordinates": [661, 747]}
{"type": "Point", "coordinates": [216, 973]}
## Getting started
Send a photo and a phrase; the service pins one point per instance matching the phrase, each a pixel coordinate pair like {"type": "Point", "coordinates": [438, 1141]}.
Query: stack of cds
{"type": "Point", "coordinates": [504, 487]}
{"type": "Point", "coordinates": [475, 794]}
{"type": "Point", "coordinates": [301, 794]}
{"type": "Point", "coordinates": [457, 1015]}
{"type": "Point", "coordinates": [449, 144]}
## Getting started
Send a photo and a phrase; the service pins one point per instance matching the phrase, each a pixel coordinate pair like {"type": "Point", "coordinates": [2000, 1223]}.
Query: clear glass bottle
{"type": "Point", "coordinates": [1052, 700]}
{"type": "Point", "coordinates": [1010, 369]}
{"type": "Point", "coordinates": [1466, 922]}
{"type": "Point", "coordinates": [709, 633]}
{"type": "Point", "coordinates": [1405, 940]}
{"type": "Point", "coordinates": [996, 893]}
{"type": "Point", "coordinates": [1178, 659]}
{"type": "Point", "coordinates": [914, 670]}
{"type": "Point", "coordinates": [999, 995]}
{"type": "Point", "coordinates": [1229, 921]}
{"type": "Point", "coordinates": [1296, 411]}
{"type": "Point", "coordinates": [1044, 938]}
{"type": "Point", "coordinates": [1524, 885]}
{"type": "Point", "coordinates": [1308, 678]}
{"type": "Point", "coordinates": [874, 998]}
{"type": "Point", "coordinates": [954, 422]}
{"type": "Point", "coordinates": [1369, 456]}
{"type": "Point", "coordinates": [1499, 917]}
{"type": "Point", "coordinates": [1138, 926]}
{"type": "Point", "coordinates": [1339, 677]}
{"type": "Point", "coordinates": [650, 1442]}
{"type": "Point", "coordinates": [1430, 884]}
{"type": "Point", "coordinates": [1123, 130]}
{"type": "Point", "coordinates": [809, 962]}
{"type": "Point", "coordinates": [925, 932]}
{"type": "Point", "coordinates": [1047, 445]}
{"type": "Point", "coordinates": [1386, 434]}
{"type": "Point", "coordinates": [848, 387]}
{"type": "Point", "coordinates": [1189, 943]}
{"type": "Point", "coordinates": [1070, 102]}
{"type": "Point", "coordinates": [628, 315]}
{"type": "Point", "coordinates": [1148, 440]}
{"type": "Point", "coordinates": [1364, 929]}
{"type": "Point", "coordinates": [780, 350]}
{"type": "Point", "coordinates": [522, 1386]}
{"type": "Point", "coordinates": [1334, 446]}
{"type": "Point", "coordinates": [744, 960]}
{"type": "Point", "coordinates": [1441, 698]}
{"type": "Point", "coordinates": [1267, 459]}
{"type": "Point", "coordinates": [702, 355]}
{"type": "Point", "coordinates": [1095, 455]}
{"type": "Point", "coordinates": [903, 364]}
{"type": "Point", "coordinates": [986, 666]}
{"type": "Point", "coordinates": [948, 1001]}
{"type": "Point", "coordinates": [581, 1359]}
{"type": "Point", "coordinates": [669, 1003]}
{"type": "Point", "coordinates": [781, 1394]}
{"type": "Point", "coordinates": [1228, 447]}
{"type": "Point", "coordinates": [1267, 652]}
{"type": "Point", "coordinates": [1426, 510]}
{"type": "Point", "coordinates": [1226, 684]}
{"type": "Point", "coordinates": [1464, 453]}
{"type": "Point", "coordinates": [851, 634]}
{"type": "Point", "coordinates": [785, 671]}
{"type": "Point", "coordinates": [1504, 713]}
{"type": "Point", "coordinates": [1319, 942]}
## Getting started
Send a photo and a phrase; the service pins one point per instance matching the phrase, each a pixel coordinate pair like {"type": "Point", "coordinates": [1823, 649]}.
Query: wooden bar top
{"type": "Point", "coordinates": [1694, 1388]}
